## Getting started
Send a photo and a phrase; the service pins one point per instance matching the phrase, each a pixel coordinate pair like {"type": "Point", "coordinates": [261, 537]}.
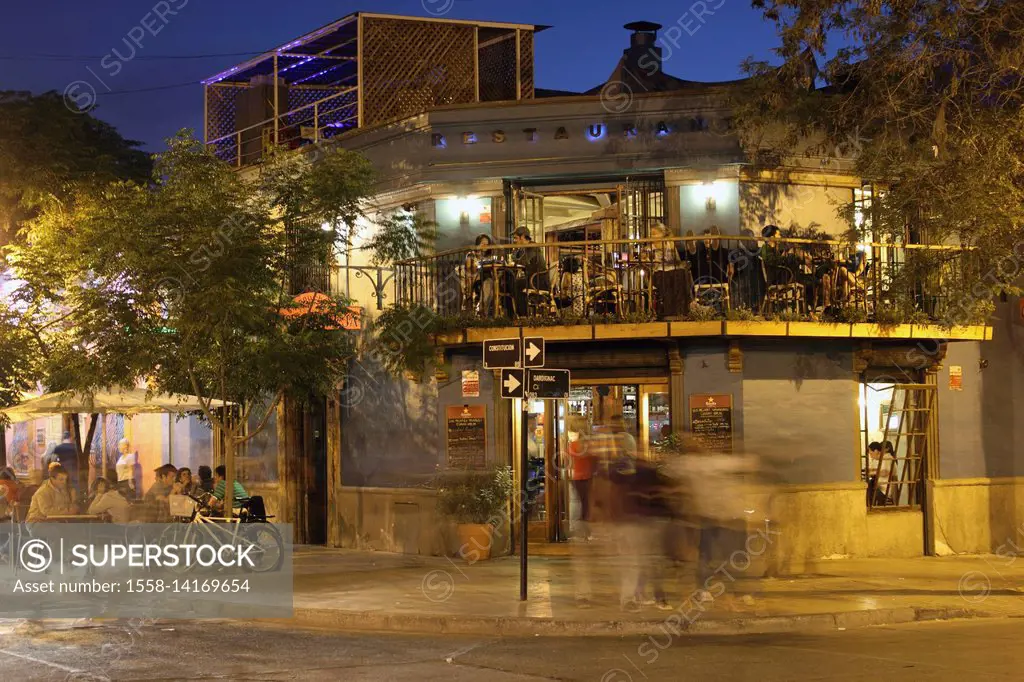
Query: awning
{"type": "Point", "coordinates": [129, 401]}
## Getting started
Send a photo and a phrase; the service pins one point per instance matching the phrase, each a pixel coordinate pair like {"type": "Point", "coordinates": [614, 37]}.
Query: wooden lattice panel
{"type": "Point", "coordinates": [526, 64]}
{"type": "Point", "coordinates": [221, 109]}
{"type": "Point", "coordinates": [497, 66]}
{"type": "Point", "coordinates": [411, 66]}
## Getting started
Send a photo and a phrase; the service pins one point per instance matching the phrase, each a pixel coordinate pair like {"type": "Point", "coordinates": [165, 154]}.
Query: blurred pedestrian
{"type": "Point", "coordinates": [578, 435]}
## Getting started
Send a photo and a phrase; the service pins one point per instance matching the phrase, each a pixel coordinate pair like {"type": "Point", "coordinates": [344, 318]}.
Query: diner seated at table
{"type": "Point", "coordinates": [480, 279]}
{"type": "Point", "coordinates": [157, 498]}
{"type": "Point", "coordinates": [9, 492]}
{"type": "Point", "coordinates": [673, 282]}
{"type": "Point", "coordinates": [849, 276]}
{"type": "Point", "coordinates": [571, 294]}
{"type": "Point", "coordinates": [107, 500]}
{"type": "Point", "coordinates": [53, 497]}
{"type": "Point", "coordinates": [238, 495]}
{"type": "Point", "coordinates": [534, 272]}
{"type": "Point", "coordinates": [713, 259]}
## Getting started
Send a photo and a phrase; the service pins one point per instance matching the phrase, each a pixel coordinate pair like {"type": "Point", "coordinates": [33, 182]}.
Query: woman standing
{"type": "Point", "coordinates": [582, 469]}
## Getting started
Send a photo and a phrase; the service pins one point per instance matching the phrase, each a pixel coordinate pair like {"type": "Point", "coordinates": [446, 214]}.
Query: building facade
{"type": "Point", "coordinates": [664, 290]}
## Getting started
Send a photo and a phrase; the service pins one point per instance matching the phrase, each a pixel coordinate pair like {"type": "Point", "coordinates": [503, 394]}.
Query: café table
{"type": "Point", "coordinates": [500, 272]}
{"type": "Point", "coordinates": [73, 518]}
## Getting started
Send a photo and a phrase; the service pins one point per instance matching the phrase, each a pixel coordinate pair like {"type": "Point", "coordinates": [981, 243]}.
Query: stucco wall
{"type": "Point", "coordinates": [393, 430]}
{"type": "Point", "coordinates": [793, 206]}
{"type": "Point", "coordinates": [800, 410]}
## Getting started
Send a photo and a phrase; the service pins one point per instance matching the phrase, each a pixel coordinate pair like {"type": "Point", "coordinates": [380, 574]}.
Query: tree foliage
{"type": "Point", "coordinates": [187, 280]}
{"type": "Point", "coordinates": [926, 95]}
{"type": "Point", "coordinates": [48, 149]}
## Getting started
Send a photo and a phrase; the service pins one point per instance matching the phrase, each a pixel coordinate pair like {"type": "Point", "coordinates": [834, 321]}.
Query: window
{"type": "Point", "coordinates": [896, 424]}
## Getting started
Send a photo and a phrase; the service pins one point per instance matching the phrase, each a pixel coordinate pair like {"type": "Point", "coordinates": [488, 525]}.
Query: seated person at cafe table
{"type": "Point", "coordinates": [9, 492]}
{"type": "Point", "coordinates": [672, 281]}
{"type": "Point", "coordinates": [157, 498]}
{"type": "Point", "coordinates": [481, 279]}
{"type": "Point", "coordinates": [238, 495]}
{"type": "Point", "coordinates": [53, 497]}
{"type": "Point", "coordinates": [108, 501]}
{"type": "Point", "coordinates": [534, 274]}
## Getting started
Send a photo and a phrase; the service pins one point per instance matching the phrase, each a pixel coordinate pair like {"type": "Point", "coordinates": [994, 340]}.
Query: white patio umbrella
{"type": "Point", "coordinates": [117, 401]}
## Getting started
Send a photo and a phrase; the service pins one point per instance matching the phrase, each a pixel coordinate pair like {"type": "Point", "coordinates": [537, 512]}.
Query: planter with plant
{"type": "Point", "coordinates": [477, 501]}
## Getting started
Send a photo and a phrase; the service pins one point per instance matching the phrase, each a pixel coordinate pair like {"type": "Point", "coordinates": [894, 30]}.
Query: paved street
{"type": "Point", "coordinates": [973, 650]}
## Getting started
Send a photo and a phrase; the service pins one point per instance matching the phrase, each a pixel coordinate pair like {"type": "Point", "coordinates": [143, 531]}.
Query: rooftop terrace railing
{"type": "Point", "coordinates": [690, 278]}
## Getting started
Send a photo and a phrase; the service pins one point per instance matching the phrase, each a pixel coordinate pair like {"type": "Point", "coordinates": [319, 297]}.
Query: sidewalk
{"type": "Point", "coordinates": [377, 591]}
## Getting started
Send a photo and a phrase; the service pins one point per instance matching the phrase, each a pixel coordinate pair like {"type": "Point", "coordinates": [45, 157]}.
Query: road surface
{"type": "Point", "coordinates": [958, 651]}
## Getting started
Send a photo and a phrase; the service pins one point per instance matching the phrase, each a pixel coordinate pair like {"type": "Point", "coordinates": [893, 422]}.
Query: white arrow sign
{"type": "Point", "coordinates": [511, 384]}
{"type": "Point", "coordinates": [532, 351]}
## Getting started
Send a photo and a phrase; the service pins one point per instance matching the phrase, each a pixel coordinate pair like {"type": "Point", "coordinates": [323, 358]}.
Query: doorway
{"type": "Point", "coordinates": [644, 407]}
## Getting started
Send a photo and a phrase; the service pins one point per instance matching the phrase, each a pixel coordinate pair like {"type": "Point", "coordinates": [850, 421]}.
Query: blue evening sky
{"type": "Point", "coordinates": [578, 52]}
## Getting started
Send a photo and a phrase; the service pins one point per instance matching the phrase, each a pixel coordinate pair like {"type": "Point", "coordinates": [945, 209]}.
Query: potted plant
{"type": "Point", "coordinates": [477, 501]}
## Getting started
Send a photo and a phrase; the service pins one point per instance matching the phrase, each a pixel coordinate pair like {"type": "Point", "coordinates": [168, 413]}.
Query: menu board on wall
{"type": "Point", "coordinates": [466, 430]}
{"type": "Point", "coordinates": [711, 421]}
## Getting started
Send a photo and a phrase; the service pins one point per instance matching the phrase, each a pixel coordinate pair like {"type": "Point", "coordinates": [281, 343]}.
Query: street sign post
{"type": "Point", "coordinates": [513, 382]}
{"type": "Point", "coordinates": [501, 353]}
{"type": "Point", "coordinates": [547, 384]}
{"type": "Point", "coordinates": [533, 351]}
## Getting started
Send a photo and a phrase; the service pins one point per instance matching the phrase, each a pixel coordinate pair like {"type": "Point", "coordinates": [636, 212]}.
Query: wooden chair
{"type": "Point", "coordinates": [714, 295]}
{"type": "Point", "coordinates": [604, 295]}
{"type": "Point", "coordinates": [539, 301]}
{"type": "Point", "coordinates": [784, 293]}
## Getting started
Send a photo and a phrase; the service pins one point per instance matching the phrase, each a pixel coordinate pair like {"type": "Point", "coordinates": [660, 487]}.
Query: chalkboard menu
{"type": "Point", "coordinates": [466, 436]}
{"type": "Point", "coordinates": [711, 421]}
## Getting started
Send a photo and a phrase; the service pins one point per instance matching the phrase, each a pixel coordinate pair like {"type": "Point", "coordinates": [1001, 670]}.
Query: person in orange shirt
{"type": "Point", "coordinates": [582, 468]}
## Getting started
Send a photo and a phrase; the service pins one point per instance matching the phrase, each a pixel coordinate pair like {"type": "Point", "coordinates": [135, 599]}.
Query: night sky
{"type": "Point", "coordinates": [578, 52]}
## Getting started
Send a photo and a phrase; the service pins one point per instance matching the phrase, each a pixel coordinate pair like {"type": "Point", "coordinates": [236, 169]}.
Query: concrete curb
{"type": "Point", "coordinates": [671, 623]}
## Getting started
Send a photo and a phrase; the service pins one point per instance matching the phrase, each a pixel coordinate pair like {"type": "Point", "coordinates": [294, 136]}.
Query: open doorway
{"type": "Point", "coordinates": [555, 505]}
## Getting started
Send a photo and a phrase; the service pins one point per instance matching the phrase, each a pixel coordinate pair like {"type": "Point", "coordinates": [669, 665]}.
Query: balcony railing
{"type": "Point", "coordinates": [691, 278]}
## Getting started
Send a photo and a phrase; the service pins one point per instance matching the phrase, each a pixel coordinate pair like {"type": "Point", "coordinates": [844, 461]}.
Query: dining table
{"type": "Point", "coordinates": [502, 271]}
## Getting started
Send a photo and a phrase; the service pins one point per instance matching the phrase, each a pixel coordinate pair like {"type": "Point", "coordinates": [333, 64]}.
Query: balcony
{"type": "Point", "coordinates": [695, 286]}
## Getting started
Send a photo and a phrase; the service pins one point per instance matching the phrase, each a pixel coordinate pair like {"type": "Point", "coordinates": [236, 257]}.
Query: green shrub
{"type": "Point", "coordinates": [474, 496]}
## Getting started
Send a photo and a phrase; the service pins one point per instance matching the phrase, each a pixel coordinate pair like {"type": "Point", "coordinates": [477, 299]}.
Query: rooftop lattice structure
{"type": "Point", "coordinates": [360, 71]}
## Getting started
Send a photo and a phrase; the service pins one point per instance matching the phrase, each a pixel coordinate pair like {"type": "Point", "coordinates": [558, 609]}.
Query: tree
{"type": "Point", "coordinates": [47, 149]}
{"type": "Point", "coordinates": [48, 153]}
{"type": "Point", "coordinates": [927, 95]}
{"type": "Point", "coordinates": [186, 280]}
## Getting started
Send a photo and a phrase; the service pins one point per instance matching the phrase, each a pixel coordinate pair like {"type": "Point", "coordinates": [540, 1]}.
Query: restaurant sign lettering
{"type": "Point", "coordinates": [711, 421]}
{"type": "Point", "coordinates": [591, 131]}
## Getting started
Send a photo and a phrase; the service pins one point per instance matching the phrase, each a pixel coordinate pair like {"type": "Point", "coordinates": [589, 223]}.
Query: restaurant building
{"type": "Point", "coordinates": [777, 342]}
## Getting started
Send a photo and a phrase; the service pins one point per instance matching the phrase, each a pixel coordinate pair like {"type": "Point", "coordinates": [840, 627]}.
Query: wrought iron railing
{"type": "Point", "coordinates": [692, 278]}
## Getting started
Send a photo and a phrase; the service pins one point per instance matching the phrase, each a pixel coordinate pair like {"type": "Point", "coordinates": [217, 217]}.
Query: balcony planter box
{"type": "Point", "coordinates": [820, 329]}
{"type": "Point", "coordinates": [481, 334]}
{"type": "Point", "coordinates": [710, 328]}
{"type": "Point", "coordinates": [978, 332]}
{"type": "Point", "coordinates": [448, 338]}
{"type": "Point", "coordinates": [753, 328]}
{"type": "Point", "coordinates": [631, 331]}
{"type": "Point", "coordinates": [863, 330]}
{"type": "Point", "coordinates": [562, 332]}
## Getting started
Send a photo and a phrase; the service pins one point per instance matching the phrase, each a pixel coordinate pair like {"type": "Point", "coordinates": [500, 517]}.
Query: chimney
{"type": "Point", "coordinates": [643, 55]}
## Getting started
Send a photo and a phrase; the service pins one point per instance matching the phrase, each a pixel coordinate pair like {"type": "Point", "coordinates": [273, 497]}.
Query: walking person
{"type": "Point", "coordinates": [582, 474]}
